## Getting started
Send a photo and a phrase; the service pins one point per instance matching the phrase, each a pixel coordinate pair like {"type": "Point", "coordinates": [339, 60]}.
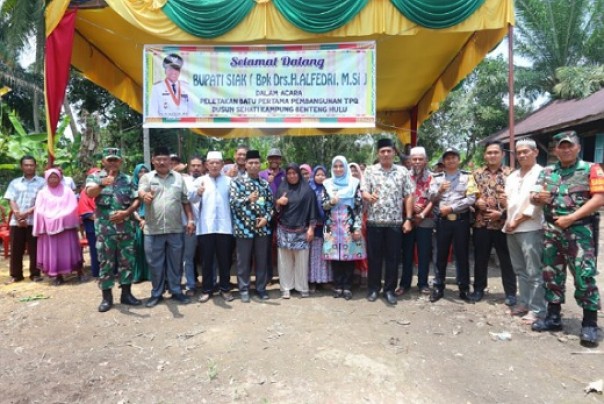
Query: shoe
{"type": "Point", "coordinates": [128, 298]}
{"type": "Point", "coordinates": [58, 281]}
{"type": "Point", "coordinates": [180, 298]}
{"type": "Point", "coordinates": [552, 322]}
{"type": "Point", "coordinates": [37, 278]}
{"type": "Point", "coordinates": [510, 300]}
{"type": "Point", "coordinates": [304, 295]}
{"type": "Point", "coordinates": [589, 336]}
{"type": "Point", "coordinates": [107, 301]}
{"type": "Point", "coordinates": [152, 302]}
{"type": "Point", "coordinates": [263, 295]}
{"type": "Point", "coordinates": [285, 294]}
{"type": "Point", "coordinates": [347, 295]}
{"type": "Point", "coordinates": [401, 291]}
{"type": "Point", "coordinates": [204, 297]}
{"type": "Point", "coordinates": [436, 295]}
{"type": "Point", "coordinates": [13, 280]}
{"type": "Point", "coordinates": [190, 293]}
{"type": "Point", "coordinates": [337, 293]}
{"type": "Point", "coordinates": [476, 296]}
{"type": "Point", "coordinates": [227, 296]}
{"type": "Point", "coordinates": [465, 296]}
{"type": "Point", "coordinates": [372, 296]}
{"type": "Point", "coordinates": [245, 297]}
{"type": "Point", "coordinates": [391, 298]}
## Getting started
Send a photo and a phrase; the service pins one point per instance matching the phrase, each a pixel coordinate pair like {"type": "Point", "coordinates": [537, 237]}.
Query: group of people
{"type": "Point", "coordinates": [44, 220]}
{"type": "Point", "coordinates": [541, 222]}
{"type": "Point", "coordinates": [325, 223]}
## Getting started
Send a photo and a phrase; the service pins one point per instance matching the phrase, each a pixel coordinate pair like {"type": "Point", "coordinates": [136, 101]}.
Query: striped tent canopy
{"type": "Point", "coordinates": [424, 47]}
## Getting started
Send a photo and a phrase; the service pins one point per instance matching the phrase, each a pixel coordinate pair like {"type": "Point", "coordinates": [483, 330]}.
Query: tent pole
{"type": "Point", "coordinates": [146, 147]}
{"type": "Point", "coordinates": [511, 93]}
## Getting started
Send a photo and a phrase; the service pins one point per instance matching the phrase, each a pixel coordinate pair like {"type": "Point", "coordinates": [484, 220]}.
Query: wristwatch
{"type": "Point", "coordinates": [409, 219]}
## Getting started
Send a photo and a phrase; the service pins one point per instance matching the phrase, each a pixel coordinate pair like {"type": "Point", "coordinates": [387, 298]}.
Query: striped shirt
{"type": "Point", "coordinates": [23, 192]}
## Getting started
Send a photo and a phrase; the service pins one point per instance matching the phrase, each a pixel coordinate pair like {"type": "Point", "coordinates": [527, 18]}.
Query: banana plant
{"type": "Point", "coordinates": [18, 143]}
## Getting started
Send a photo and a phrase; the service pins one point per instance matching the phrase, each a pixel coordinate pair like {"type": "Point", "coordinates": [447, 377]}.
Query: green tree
{"type": "Point", "coordinates": [579, 81]}
{"type": "Point", "coordinates": [559, 33]}
{"type": "Point", "coordinates": [21, 20]}
{"type": "Point", "coordinates": [474, 110]}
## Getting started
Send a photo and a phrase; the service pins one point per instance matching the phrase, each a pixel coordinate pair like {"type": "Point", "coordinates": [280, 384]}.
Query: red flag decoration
{"type": "Point", "coordinates": [59, 45]}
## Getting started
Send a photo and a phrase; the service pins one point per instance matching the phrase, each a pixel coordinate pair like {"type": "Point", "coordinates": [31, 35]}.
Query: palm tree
{"type": "Point", "coordinates": [558, 33]}
{"type": "Point", "coordinates": [578, 82]}
{"type": "Point", "coordinates": [19, 21]}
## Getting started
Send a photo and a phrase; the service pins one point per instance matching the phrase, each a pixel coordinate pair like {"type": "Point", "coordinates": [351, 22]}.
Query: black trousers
{"type": "Point", "coordinates": [383, 246]}
{"type": "Point", "coordinates": [19, 238]}
{"type": "Point", "coordinates": [221, 247]}
{"type": "Point", "coordinates": [342, 274]}
{"type": "Point", "coordinates": [455, 232]}
{"type": "Point", "coordinates": [484, 240]}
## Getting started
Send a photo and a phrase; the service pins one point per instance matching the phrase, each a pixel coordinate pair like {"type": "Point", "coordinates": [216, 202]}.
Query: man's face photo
{"type": "Point", "coordinates": [172, 74]}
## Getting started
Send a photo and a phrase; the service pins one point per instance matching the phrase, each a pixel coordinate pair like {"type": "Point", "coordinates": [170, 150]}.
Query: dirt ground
{"type": "Point", "coordinates": [56, 348]}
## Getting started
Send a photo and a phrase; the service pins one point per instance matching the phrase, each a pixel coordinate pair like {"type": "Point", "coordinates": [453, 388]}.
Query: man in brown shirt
{"type": "Point", "coordinates": [490, 210]}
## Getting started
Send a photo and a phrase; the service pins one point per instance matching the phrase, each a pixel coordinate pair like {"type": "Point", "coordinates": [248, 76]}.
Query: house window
{"type": "Point", "coordinates": [599, 149]}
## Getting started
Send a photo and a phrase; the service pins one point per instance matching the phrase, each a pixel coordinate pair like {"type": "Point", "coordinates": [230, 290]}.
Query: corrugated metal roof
{"type": "Point", "coordinates": [557, 115]}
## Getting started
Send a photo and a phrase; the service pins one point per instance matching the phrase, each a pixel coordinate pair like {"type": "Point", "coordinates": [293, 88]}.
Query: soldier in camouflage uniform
{"type": "Point", "coordinates": [116, 200]}
{"type": "Point", "coordinates": [570, 192]}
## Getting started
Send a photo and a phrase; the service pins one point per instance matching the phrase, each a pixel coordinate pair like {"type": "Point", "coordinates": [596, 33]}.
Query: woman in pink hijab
{"type": "Point", "coordinates": [56, 225]}
{"type": "Point", "coordinates": [306, 171]}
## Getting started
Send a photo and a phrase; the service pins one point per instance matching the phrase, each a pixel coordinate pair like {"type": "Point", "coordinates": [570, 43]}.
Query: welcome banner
{"type": "Point", "coordinates": [284, 86]}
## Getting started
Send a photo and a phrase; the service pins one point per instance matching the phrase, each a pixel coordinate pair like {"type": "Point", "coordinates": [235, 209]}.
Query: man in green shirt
{"type": "Point", "coordinates": [165, 193]}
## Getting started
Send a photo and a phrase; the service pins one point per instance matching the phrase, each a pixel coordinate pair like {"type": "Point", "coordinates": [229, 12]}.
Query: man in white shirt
{"type": "Point", "coordinates": [21, 194]}
{"type": "Point", "coordinates": [524, 228]}
{"type": "Point", "coordinates": [190, 240]}
{"type": "Point", "coordinates": [214, 226]}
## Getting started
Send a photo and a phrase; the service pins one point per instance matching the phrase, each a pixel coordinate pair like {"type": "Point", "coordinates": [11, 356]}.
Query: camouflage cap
{"type": "Point", "coordinates": [567, 136]}
{"type": "Point", "coordinates": [112, 153]}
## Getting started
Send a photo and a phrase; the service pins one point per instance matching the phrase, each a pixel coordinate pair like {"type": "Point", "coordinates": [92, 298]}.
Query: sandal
{"type": "Point", "coordinates": [519, 311]}
{"type": "Point", "coordinates": [529, 318]}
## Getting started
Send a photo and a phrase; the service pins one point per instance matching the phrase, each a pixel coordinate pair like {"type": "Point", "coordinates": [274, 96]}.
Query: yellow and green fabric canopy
{"type": "Point", "coordinates": [424, 47]}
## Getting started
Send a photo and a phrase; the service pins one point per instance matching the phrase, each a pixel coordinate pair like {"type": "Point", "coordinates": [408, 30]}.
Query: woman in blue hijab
{"type": "Point", "coordinates": [344, 242]}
